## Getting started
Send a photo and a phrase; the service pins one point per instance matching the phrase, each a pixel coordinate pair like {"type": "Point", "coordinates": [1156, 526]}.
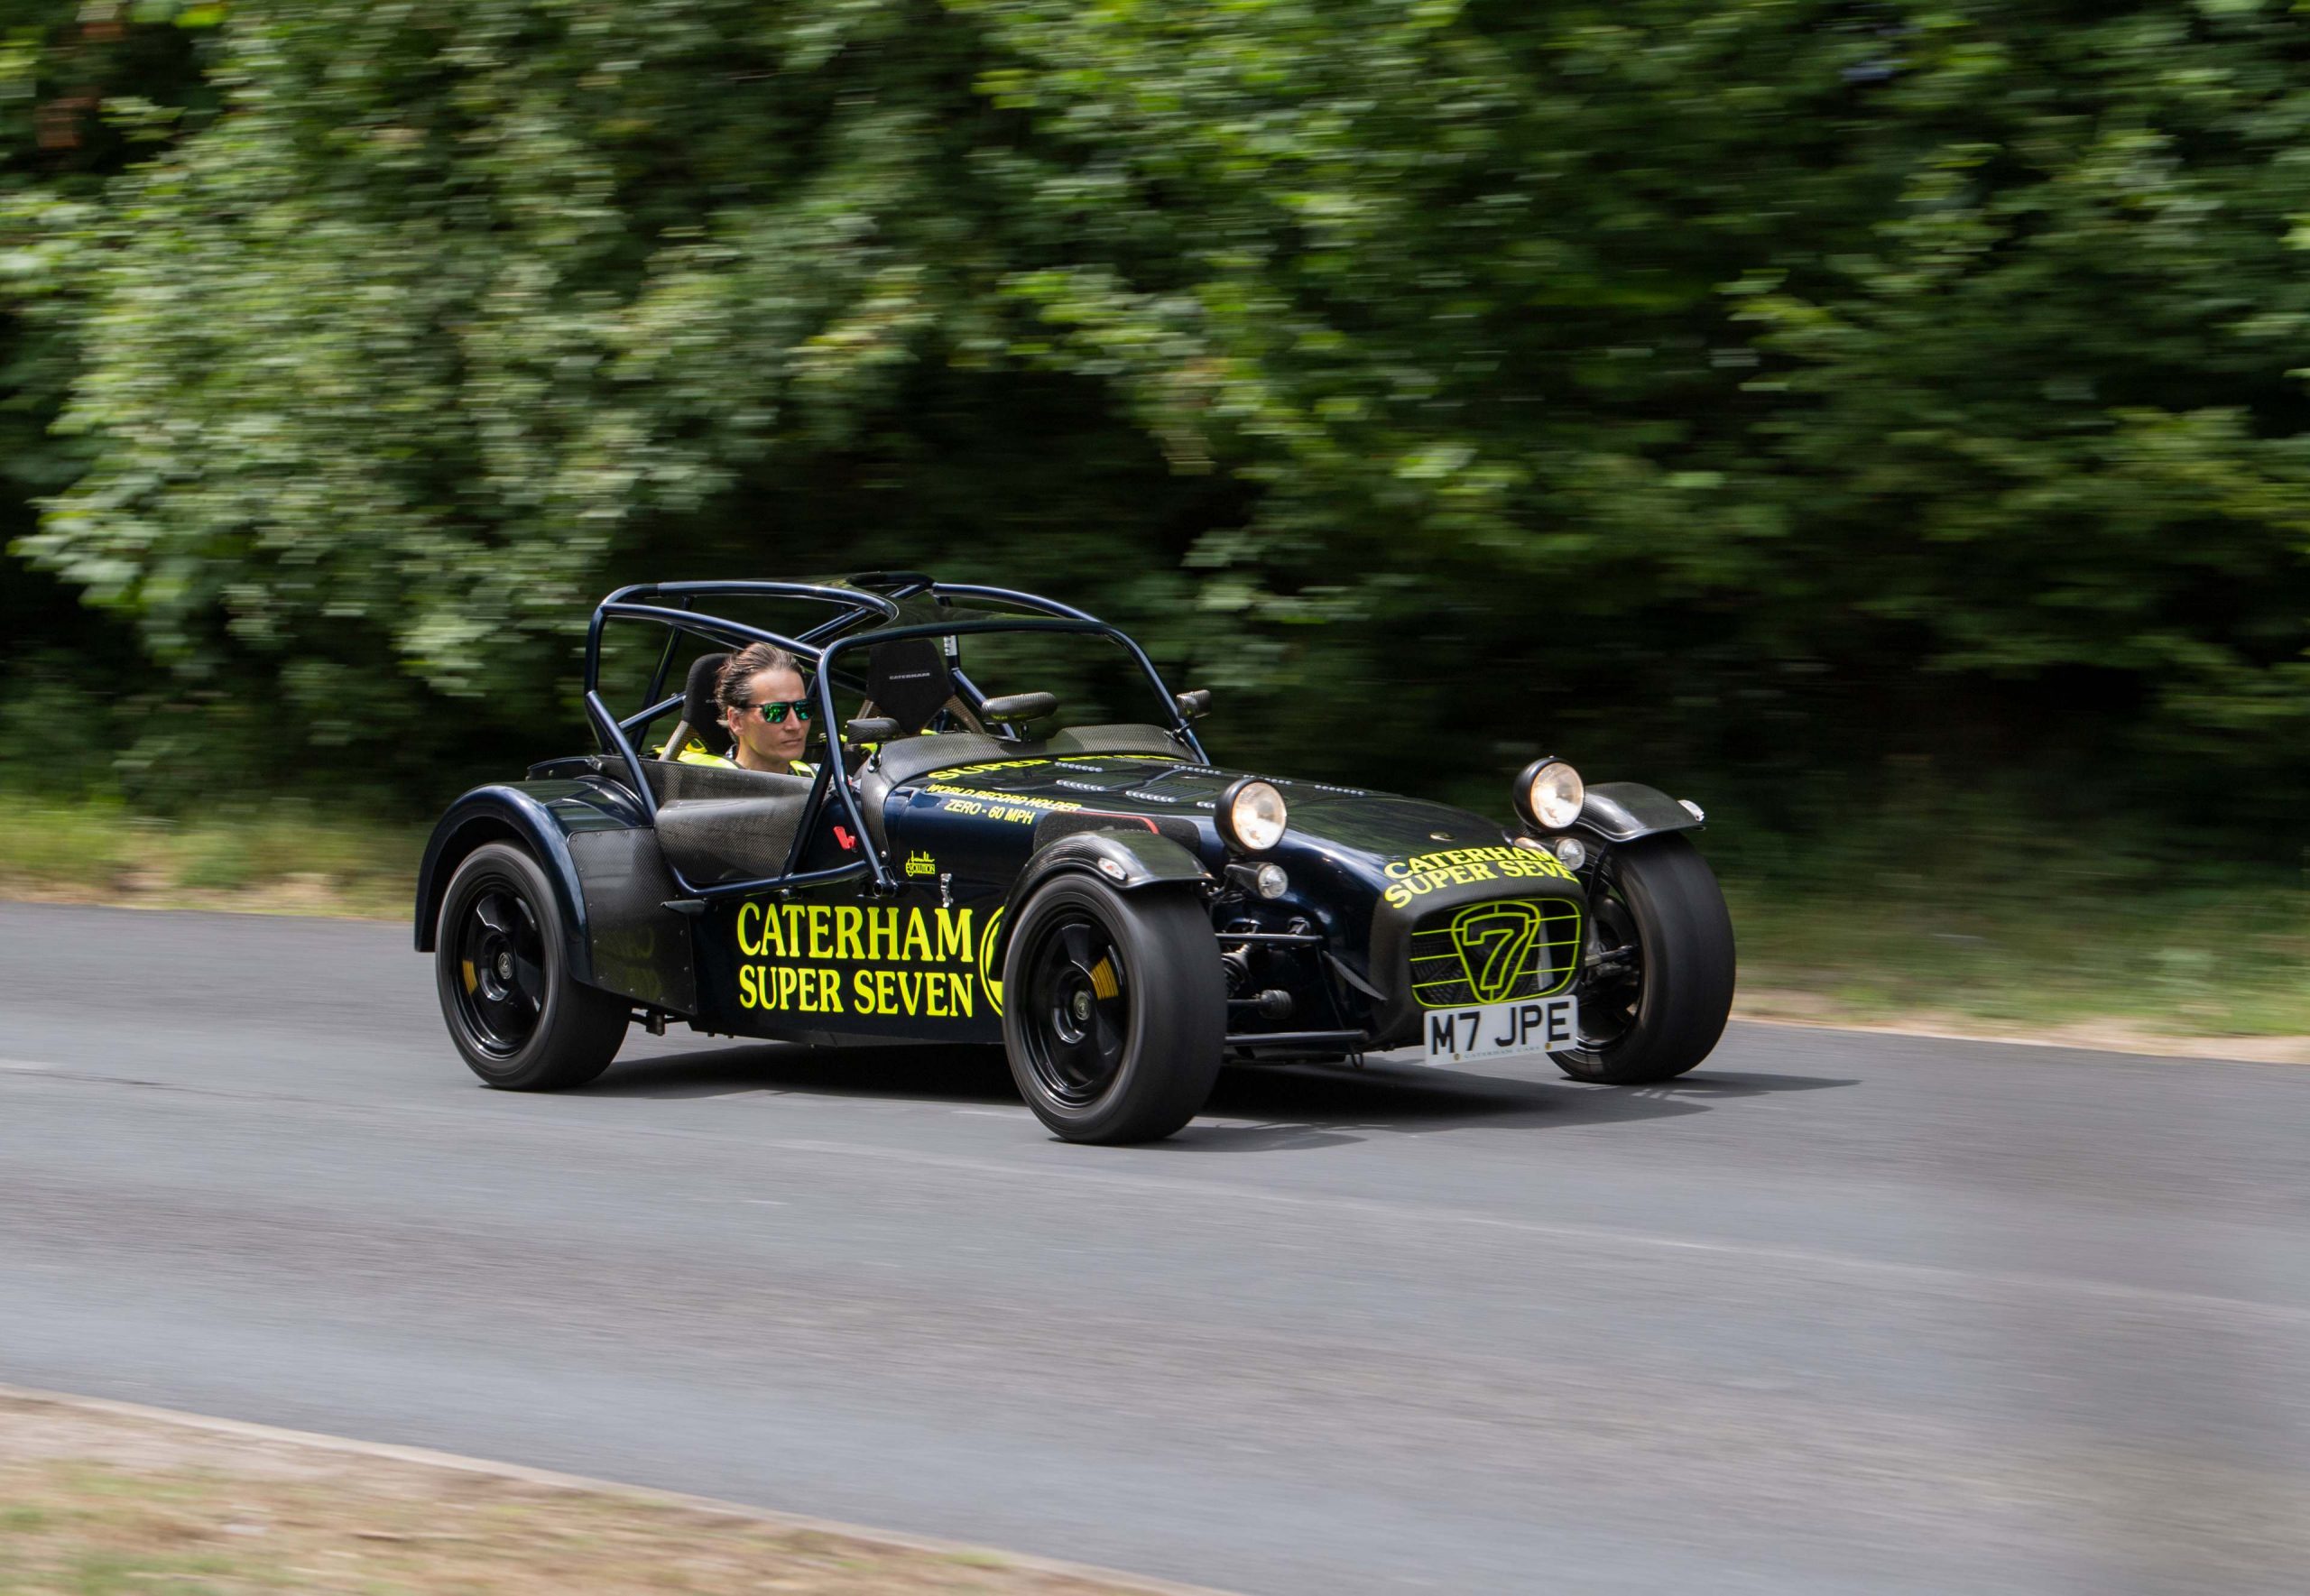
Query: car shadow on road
{"type": "Point", "coordinates": [1294, 1107]}
{"type": "Point", "coordinates": [940, 1073]}
{"type": "Point", "coordinates": [1304, 1107]}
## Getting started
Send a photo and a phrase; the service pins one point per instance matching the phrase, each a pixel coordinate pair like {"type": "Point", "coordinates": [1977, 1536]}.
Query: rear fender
{"type": "Point", "coordinates": [505, 815]}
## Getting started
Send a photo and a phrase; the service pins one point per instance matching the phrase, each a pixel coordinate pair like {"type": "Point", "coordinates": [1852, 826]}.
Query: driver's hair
{"type": "Point", "coordinates": [743, 667]}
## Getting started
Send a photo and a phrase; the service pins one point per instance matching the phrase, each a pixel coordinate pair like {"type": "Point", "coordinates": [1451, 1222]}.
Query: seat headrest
{"type": "Point", "coordinates": [700, 708]}
{"type": "Point", "coordinates": [908, 681]}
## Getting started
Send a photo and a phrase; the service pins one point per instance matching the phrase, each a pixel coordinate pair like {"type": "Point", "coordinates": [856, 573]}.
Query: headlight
{"type": "Point", "coordinates": [1251, 815]}
{"type": "Point", "coordinates": [1549, 793]}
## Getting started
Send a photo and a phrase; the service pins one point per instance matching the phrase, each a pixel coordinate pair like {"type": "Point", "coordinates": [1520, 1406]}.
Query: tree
{"type": "Point", "coordinates": [84, 89]}
{"type": "Point", "coordinates": [1737, 383]}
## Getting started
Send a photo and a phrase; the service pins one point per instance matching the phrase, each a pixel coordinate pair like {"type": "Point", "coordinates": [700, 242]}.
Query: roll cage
{"type": "Point", "coordinates": [873, 607]}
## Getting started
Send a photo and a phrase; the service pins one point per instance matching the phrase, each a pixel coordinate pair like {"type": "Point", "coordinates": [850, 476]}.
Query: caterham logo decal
{"type": "Point", "coordinates": [873, 960]}
{"type": "Point", "coordinates": [1494, 941]}
{"type": "Point", "coordinates": [858, 958]}
{"type": "Point", "coordinates": [1457, 867]}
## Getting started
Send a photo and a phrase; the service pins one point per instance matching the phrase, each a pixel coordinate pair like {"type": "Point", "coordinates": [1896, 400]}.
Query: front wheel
{"type": "Point", "coordinates": [521, 1020]}
{"type": "Point", "coordinates": [1656, 982]}
{"type": "Point", "coordinates": [1115, 1011]}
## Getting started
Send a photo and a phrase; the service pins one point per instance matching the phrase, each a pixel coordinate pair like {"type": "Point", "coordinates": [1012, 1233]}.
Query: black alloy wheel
{"type": "Point", "coordinates": [1115, 1011]}
{"type": "Point", "coordinates": [501, 970]}
{"type": "Point", "coordinates": [1080, 1012]}
{"type": "Point", "coordinates": [518, 1019]}
{"type": "Point", "coordinates": [1657, 974]}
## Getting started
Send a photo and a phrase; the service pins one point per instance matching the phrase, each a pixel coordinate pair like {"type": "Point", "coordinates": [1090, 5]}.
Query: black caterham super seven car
{"type": "Point", "coordinates": [1121, 915]}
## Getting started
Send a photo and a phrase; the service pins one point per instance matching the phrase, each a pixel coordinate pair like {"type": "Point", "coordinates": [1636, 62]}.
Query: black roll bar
{"type": "Point", "coordinates": [634, 723]}
{"type": "Point", "coordinates": [859, 600]}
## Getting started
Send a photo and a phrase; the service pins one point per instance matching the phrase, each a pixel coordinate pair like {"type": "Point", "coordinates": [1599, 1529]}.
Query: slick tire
{"type": "Point", "coordinates": [518, 1019]}
{"type": "Point", "coordinates": [1115, 1010]}
{"type": "Point", "coordinates": [1662, 891]}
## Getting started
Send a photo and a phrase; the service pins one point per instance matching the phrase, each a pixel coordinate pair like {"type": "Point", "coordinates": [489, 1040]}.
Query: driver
{"type": "Point", "coordinates": [767, 711]}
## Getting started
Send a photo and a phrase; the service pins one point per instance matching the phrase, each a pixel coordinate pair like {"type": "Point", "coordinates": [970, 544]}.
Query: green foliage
{"type": "Point", "coordinates": [85, 89]}
{"type": "Point", "coordinates": [1755, 386]}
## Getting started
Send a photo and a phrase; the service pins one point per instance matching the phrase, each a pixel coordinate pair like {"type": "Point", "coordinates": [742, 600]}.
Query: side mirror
{"type": "Point", "coordinates": [877, 730]}
{"type": "Point", "coordinates": [1018, 707]}
{"type": "Point", "coordinates": [1192, 706]}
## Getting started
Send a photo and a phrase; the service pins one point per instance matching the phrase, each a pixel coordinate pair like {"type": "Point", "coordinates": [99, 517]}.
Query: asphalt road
{"type": "Point", "coordinates": [1841, 1312]}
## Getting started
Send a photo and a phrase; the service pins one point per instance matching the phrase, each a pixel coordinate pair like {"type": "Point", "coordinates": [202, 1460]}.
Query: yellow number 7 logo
{"type": "Point", "coordinates": [1495, 944]}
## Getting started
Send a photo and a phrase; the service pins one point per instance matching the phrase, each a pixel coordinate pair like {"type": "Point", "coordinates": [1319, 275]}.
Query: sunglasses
{"type": "Point", "coordinates": [774, 710]}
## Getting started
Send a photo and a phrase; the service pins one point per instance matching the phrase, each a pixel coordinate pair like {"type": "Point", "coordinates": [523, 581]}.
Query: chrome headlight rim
{"type": "Point", "coordinates": [1555, 808]}
{"type": "Point", "coordinates": [1252, 833]}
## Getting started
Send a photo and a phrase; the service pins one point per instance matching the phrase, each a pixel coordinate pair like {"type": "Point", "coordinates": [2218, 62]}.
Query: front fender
{"type": "Point", "coordinates": [511, 814]}
{"type": "Point", "coordinates": [1127, 861]}
{"type": "Point", "coordinates": [1623, 811]}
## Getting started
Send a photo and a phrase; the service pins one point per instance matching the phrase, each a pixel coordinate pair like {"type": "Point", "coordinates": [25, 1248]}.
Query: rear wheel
{"type": "Point", "coordinates": [1115, 1011]}
{"type": "Point", "coordinates": [1654, 1004]}
{"type": "Point", "coordinates": [520, 1020]}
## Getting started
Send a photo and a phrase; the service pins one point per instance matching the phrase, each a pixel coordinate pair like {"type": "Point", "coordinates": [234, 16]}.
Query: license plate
{"type": "Point", "coordinates": [1499, 1030]}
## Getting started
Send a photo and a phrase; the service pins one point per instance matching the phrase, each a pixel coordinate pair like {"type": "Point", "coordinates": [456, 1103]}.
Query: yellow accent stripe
{"type": "Point", "coordinates": [1453, 945]}
{"type": "Point", "coordinates": [1440, 933]}
{"type": "Point", "coordinates": [1461, 981]}
{"type": "Point", "coordinates": [1437, 933]}
{"type": "Point", "coordinates": [1451, 953]}
{"type": "Point", "coordinates": [1458, 1003]}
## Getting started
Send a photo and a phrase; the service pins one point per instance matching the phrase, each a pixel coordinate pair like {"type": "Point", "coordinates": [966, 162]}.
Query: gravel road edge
{"type": "Point", "coordinates": [1126, 1584]}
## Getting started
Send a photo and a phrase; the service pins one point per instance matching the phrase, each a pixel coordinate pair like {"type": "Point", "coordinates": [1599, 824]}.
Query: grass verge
{"type": "Point", "coordinates": [2213, 966]}
{"type": "Point", "coordinates": [103, 1502]}
{"type": "Point", "coordinates": [279, 857]}
{"type": "Point", "coordinates": [1957, 927]}
{"type": "Point", "coordinates": [1989, 924]}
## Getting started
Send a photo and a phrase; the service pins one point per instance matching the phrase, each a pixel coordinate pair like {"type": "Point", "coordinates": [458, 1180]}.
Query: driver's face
{"type": "Point", "coordinates": [763, 744]}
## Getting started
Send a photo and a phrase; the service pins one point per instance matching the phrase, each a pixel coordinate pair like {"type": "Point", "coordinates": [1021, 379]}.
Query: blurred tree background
{"type": "Point", "coordinates": [1795, 403]}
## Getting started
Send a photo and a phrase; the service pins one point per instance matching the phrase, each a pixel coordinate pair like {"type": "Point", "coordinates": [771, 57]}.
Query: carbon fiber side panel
{"type": "Point", "coordinates": [641, 950]}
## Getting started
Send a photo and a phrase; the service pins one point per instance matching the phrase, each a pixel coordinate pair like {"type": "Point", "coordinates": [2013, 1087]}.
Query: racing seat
{"type": "Point", "coordinates": [907, 681]}
{"type": "Point", "coordinates": [701, 711]}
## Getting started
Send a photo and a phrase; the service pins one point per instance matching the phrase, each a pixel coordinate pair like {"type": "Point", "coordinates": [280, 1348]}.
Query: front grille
{"type": "Point", "coordinates": [1502, 950]}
